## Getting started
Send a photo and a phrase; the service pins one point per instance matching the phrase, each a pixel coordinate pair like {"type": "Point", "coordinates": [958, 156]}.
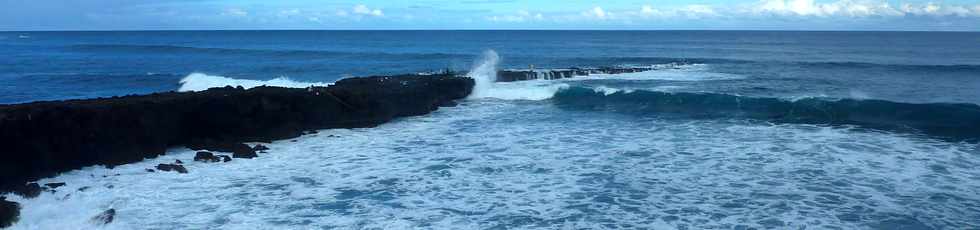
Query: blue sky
{"type": "Point", "coordinates": [489, 14]}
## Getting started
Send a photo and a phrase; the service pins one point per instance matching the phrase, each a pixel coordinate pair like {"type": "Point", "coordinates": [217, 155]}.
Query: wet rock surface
{"type": "Point", "coordinates": [510, 75]}
{"type": "Point", "coordinates": [104, 218]}
{"type": "Point", "coordinates": [42, 139]}
{"type": "Point", "coordinates": [9, 212]}
{"type": "Point", "coordinates": [171, 167]}
{"type": "Point", "coordinates": [206, 157]}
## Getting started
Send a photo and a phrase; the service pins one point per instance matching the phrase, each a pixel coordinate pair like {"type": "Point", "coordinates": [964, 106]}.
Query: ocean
{"type": "Point", "coordinates": [731, 130]}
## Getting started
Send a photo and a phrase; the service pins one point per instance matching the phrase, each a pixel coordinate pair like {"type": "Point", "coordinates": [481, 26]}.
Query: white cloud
{"type": "Point", "coordinates": [520, 16]}
{"type": "Point", "coordinates": [933, 9]}
{"type": "Point", "coordinates": [288, 13]}
{"type": "Point", "coordinates": [364, 10]}
{"type": "Point", "coordinates": [859, 8]}
{"type": "Point", "coordinates": [237, 12]}
{"type": "Point", "coordinates": [596, 12]}
{"type": "Point", "coordinates": [648, 10]}
{"type": "Point", "coordinates": [698, 11]}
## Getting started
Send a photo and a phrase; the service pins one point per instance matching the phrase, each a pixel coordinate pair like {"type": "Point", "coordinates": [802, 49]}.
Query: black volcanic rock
{"type": "Point", "coordinates": [206, 157]}
{"type": "Point", "coordinates": [54, 185]}
{"type": "Point", "coordinates": [239, 150]}
{"type": "Point", "coordinates": [104, 218]}
{"type": "Point", "coordinates": [224, 158]}
{"type": "Point", "coordinates": [260, 148]}
{"type": "Point", "coordinates": [42, 139]}
{"type": "Point", "coordinates": [9, 212]}
{"type": "Point", "coordinates": [171, 167]}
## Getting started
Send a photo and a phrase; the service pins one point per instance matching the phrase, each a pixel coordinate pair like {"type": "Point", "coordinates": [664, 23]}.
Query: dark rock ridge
{"type": "Point", "coordinates": [509, 75]}
{"type": "Point", "coordinates": [42, 139]}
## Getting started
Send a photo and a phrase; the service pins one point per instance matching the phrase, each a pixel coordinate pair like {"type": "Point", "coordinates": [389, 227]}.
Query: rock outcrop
{"type": "Point", "coordinates": [206, 157]}
{"type": "Point", "coordinates": [42, 139]}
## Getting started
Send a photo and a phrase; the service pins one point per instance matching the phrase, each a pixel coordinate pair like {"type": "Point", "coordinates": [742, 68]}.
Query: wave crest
{"type": "Point", "coordinates": [944, 120]}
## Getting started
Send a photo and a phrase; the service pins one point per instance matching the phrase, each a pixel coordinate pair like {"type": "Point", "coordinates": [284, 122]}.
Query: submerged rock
{"type": "Point", "coordinates": [54, 185]}
{"type": "Point", "coordinates": [224, 158]}
{"type": "Point", "coordinates": [260, 147]}
{"type": "Point", "coordinates": [171, 167]}
{"type": "Point", "coordinates": [206, 157]}
{"type": "Point", "coordinates": [245, 154]}
{"type": "Point", "coordinates": [9, 212]}
{"type": "Point", "coordinates": [238, 150]}
{"type": "Point", "coordinates": [104, 218]}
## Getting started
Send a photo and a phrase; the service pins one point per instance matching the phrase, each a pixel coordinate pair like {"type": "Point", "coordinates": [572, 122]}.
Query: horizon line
{"type": "Point", "coordinates": [524, 29]}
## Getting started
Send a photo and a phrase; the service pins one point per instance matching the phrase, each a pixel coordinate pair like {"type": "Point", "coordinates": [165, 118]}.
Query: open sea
{"type": "Point", "coordinates": [732, 130]}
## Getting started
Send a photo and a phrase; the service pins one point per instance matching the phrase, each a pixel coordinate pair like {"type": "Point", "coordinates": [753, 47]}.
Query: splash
{"type": "Point", "coordinates": [200, 82]}
{"type": "Point", "coordinates": [484, 73]}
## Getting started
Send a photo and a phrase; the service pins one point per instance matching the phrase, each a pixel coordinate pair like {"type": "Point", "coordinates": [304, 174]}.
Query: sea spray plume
{"type": "Point", "coordinates": [484, 73]}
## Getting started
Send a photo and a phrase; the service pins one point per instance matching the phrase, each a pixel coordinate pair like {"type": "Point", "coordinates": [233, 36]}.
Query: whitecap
{"type": "Point", "coordinates": [200, 82]}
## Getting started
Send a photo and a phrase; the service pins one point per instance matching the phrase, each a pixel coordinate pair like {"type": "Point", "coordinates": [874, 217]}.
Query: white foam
{"type": "Point", "coordinates": [200, 82]}
{"type": "Point", "coordinates": [605, 90]}
{"type": "Point", "coordinates": [493, 163]}
{"type": "Point", "coordinates": [523, 90]}
{"type": "Point", "coordinates": [484, 73]}
{"type": "Point", "coordinates": [687, 72]}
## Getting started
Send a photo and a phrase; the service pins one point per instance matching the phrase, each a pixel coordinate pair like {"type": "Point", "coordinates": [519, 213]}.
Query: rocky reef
{"type": "Point", "coordinates": [509, 75]}
{"type": "Point", "coordinates": [42, 139]}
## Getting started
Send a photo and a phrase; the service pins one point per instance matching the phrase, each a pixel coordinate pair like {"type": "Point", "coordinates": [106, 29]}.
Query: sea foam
{"type": "Point", "coordinates": [499, 164]}
{"type": "Point", "coordinates": [200, 82]}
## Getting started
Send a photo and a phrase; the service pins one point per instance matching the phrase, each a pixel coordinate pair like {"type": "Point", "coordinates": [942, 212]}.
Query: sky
{"type": "Point", "coordinates": [949, 15]}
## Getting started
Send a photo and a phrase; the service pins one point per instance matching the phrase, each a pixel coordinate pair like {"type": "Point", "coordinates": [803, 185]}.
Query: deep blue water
{"type": "Point", "coordinates": [737, 130]}
{"type": "Point", "coordinates": [905, 66]}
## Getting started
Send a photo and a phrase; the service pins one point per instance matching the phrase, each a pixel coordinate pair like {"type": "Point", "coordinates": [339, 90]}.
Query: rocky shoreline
{"type": "Point", "coordinates": [510, 75]}
{"type": "Point", "coordinates": [42, 139]}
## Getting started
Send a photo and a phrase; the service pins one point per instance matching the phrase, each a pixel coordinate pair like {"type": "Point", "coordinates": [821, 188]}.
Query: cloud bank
{"type": "Point", "coordinates": [490, 14]}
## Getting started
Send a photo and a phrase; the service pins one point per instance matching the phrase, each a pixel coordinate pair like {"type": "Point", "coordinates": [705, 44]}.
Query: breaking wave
{"type": "Point", "coordinates": [200, 81]}
{"type": "Point", "coordinates": [944, 120]}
